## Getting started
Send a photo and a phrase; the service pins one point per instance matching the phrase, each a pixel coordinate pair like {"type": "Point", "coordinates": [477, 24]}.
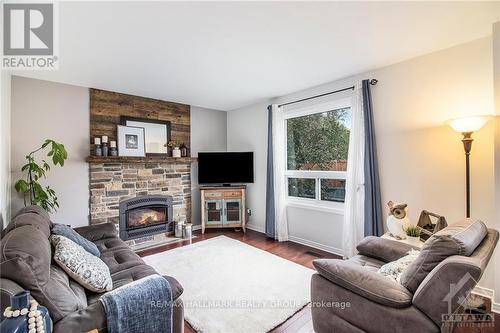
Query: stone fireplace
{"type": "Point", "coordinates": [115, 184]}
{"type": "Point", "coordinates": [120, 185]}
{"type": "Point", "coordinates": [145, 215]}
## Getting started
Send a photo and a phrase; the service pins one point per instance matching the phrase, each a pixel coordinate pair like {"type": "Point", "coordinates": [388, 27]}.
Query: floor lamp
{"type": "Point", "coordinates": [467, 126]}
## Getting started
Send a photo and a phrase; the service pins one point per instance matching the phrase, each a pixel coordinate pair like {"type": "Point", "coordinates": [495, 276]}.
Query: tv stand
{"type": "Point", "coordinates": [223, 207]}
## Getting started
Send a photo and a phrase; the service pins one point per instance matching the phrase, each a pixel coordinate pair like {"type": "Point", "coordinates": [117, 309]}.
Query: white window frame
{"type": "Point", "coordinates": [315, 203]}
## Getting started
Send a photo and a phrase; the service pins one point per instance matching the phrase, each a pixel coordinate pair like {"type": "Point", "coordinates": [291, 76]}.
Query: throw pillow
{"type": "Point", "coordinates": [68, 232]}
{"type": "Point", "coordinates": [460, 238]}
{"type": "Point", "coordinates": [395, 269]}
{"type": "Point", "coordinates": [85, 268]}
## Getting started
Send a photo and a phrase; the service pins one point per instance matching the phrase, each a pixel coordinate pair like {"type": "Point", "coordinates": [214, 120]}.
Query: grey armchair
{"type": "Point", "coordinates": [350, 296]}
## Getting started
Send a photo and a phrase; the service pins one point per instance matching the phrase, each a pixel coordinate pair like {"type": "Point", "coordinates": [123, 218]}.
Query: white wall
{"type": "Point", "coordinates": [247, 131]}
{"type": "Point", "coordinates": [421, 159]}
{"type": "Point", "coordinates": [5, 112]}
{"type": "Point", "coordinates": [208, 133]}
{"type": "Point", "coordinates": [496, 75]}
{"type": "Point", "coordinates": [47, 110]}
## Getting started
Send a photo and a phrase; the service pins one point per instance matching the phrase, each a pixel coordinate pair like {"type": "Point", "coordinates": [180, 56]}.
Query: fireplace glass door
{"type": "Point", "coordinates": [146, 216]}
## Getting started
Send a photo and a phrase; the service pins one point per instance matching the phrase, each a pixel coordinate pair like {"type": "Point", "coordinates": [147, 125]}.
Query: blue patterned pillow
{"type": "Point", "coordinates": [68, 232]}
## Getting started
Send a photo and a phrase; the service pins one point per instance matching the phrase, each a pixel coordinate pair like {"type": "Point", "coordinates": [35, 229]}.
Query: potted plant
{"type": "Point", "coordinates": [29, 186]}
{"type": "Point", "coordinates": [413, 235]}
{"type": "Point", "coordinates": [174, 145]}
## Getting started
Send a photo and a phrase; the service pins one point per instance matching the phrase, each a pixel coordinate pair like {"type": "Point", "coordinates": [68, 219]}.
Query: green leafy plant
{"type": "Point", "coordinates": [413, 231]}
{"type": "Point", "coordinates": [29, 186]}
{"type": "Point", "coordinates": [173, 144]}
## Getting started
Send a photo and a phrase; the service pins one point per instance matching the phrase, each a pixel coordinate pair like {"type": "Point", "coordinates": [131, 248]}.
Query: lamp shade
{"type": "Point", "coordinates": [467, 124]}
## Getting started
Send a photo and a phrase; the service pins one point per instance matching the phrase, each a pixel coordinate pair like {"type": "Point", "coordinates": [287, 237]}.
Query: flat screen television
{"type": "Point", "coordinates": [225, 168]}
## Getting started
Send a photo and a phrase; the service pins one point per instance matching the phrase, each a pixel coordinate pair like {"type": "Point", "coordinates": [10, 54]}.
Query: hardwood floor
{"type": "Point", "coordinates": [301, 322]}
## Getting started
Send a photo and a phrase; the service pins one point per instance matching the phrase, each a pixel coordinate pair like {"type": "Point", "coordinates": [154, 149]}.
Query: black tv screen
{"type": "Point", "coordinates": [225, 168]}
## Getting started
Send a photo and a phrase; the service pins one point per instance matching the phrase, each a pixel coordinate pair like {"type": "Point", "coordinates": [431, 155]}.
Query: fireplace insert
{"type": "Point", "coordinates": [145, 215]}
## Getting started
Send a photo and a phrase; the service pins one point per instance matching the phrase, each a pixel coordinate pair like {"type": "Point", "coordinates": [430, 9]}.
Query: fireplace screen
{"type": "Point", "coordinates": [145, 216]}
{"type": "Point", "coordinates": [142, 217]}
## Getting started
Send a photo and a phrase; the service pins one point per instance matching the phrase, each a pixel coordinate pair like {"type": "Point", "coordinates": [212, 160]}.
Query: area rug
{"type": "Point", "coordinates": [230, 286]}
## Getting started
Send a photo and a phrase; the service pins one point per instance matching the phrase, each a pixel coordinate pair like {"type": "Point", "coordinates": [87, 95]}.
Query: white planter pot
{"type": "Point", "coordinates": [413, 240]}
{"type": "Point", "coordinates": [176, 152]}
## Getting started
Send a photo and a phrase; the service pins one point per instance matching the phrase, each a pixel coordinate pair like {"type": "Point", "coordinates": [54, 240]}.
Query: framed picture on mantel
{"type": "Point", "coordinates": [131, 141]}
{"type": "Point", "coordinates": [156, 133]}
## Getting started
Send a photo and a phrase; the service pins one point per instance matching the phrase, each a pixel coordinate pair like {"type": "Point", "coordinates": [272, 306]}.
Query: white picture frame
{"type": "Point", "coordinates": [131, 141]}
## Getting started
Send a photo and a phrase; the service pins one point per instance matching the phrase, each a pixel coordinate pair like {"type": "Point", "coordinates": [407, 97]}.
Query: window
{"type": "Point", "coordinates": [317, 143]}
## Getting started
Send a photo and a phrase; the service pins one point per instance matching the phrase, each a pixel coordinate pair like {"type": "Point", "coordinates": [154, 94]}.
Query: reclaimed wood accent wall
{"type": "Point", "coordinates": [106, 108]}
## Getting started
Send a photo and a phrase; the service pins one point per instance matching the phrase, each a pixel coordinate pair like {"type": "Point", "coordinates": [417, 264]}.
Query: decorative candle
{"type": "Point", "coordinates": [112, 144]}
{"type": "Point", "coordinates": [97, 141]}
{"type": "Point", "coordinates": [104, 139]}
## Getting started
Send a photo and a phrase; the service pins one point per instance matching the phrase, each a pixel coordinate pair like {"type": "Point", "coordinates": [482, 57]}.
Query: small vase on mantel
{"type": "Point", "coordinates": [176, 152]}
{"type": "Point", "coordinates": [184, 150]}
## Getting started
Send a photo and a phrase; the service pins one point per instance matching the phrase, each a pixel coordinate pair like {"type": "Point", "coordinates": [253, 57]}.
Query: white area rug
{"type": "Point", "coordinates": [232, 287]}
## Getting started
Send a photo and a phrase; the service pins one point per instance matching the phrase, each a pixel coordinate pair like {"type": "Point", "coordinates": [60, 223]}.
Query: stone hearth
{"type": "Point", "coordinates": [113, 182]}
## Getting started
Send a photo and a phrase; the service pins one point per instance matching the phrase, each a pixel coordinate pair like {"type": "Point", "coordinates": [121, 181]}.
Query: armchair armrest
{"type": "Point", "coordinates": [384, 249]}
{"type": "Point", "coordinates": [98, 231]}
{"type": "Point", "coordinates": [363, 282]}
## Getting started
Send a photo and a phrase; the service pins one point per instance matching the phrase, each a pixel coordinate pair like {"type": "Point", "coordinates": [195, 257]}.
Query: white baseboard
{"type": "Point", "coordinates": [495, 307]}
{"type": "Point", "coordinates": [256, 228]}
{"type": "Point", "coordinates": [197, 227]}
{"type": "Point", "coordinates": [315, 245]}
{"type": "Point", "coordinates": [302, 241]}
{"type": "Point", "coordinates": [485, 292]}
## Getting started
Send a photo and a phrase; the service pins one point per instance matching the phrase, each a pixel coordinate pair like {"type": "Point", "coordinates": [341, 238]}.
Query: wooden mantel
{"type": "Point", "coordinates": [134, 159]}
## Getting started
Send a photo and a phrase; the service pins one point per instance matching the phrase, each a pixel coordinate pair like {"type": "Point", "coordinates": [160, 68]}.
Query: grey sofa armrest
{"type": "Point", "coordinates": [88, 319]}
{"type": "Point", "coordinates": [98, 231]}
{"type": "Point", "coordinates": [363, 282]}
{"type": "Point", "coordinates": [384, 249]}
{"type": "Point", "coordinates": [94, 317]}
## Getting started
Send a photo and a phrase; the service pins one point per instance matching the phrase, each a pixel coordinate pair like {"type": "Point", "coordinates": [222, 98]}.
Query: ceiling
{"type": "Point", "coordinates": [225, 55]}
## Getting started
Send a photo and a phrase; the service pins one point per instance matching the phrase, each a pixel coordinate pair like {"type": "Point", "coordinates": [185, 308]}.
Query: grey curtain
{"type": "Point", "coordinates": [373, 208]}
{"type": "Point", "coordinates": [270, 207]}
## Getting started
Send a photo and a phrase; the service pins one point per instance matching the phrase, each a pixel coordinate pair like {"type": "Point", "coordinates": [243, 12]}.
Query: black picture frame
{"type": "Point", "coordinates": [168, 126]}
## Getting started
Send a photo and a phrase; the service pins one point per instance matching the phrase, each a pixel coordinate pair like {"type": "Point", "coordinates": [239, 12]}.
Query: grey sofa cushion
{"type": "Point", "coordinates": [98, 231]}
{"type": "Point", "coordinates": [384, 249]}
{"type": "Point", "coordinates": [363, 282]}
{"type": "Point", "coordinates": [65, 292]}
{"type": "Point", "coordinates": [463, 272]}
{"type": "Point", "coordinates": [364, 314]}
{"type": "Point", "coordinates": [25, 254]}
{"type": "Point", "coordinates": [461, 238]}
{"type": "Point", "coordinates": [68, 232]}
{"type": "Point", "coordinates": [367, 262]}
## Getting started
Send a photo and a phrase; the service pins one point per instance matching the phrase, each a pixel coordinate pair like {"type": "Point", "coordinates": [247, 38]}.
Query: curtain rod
{"type": "Point", "coordinates": [372, 82]}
